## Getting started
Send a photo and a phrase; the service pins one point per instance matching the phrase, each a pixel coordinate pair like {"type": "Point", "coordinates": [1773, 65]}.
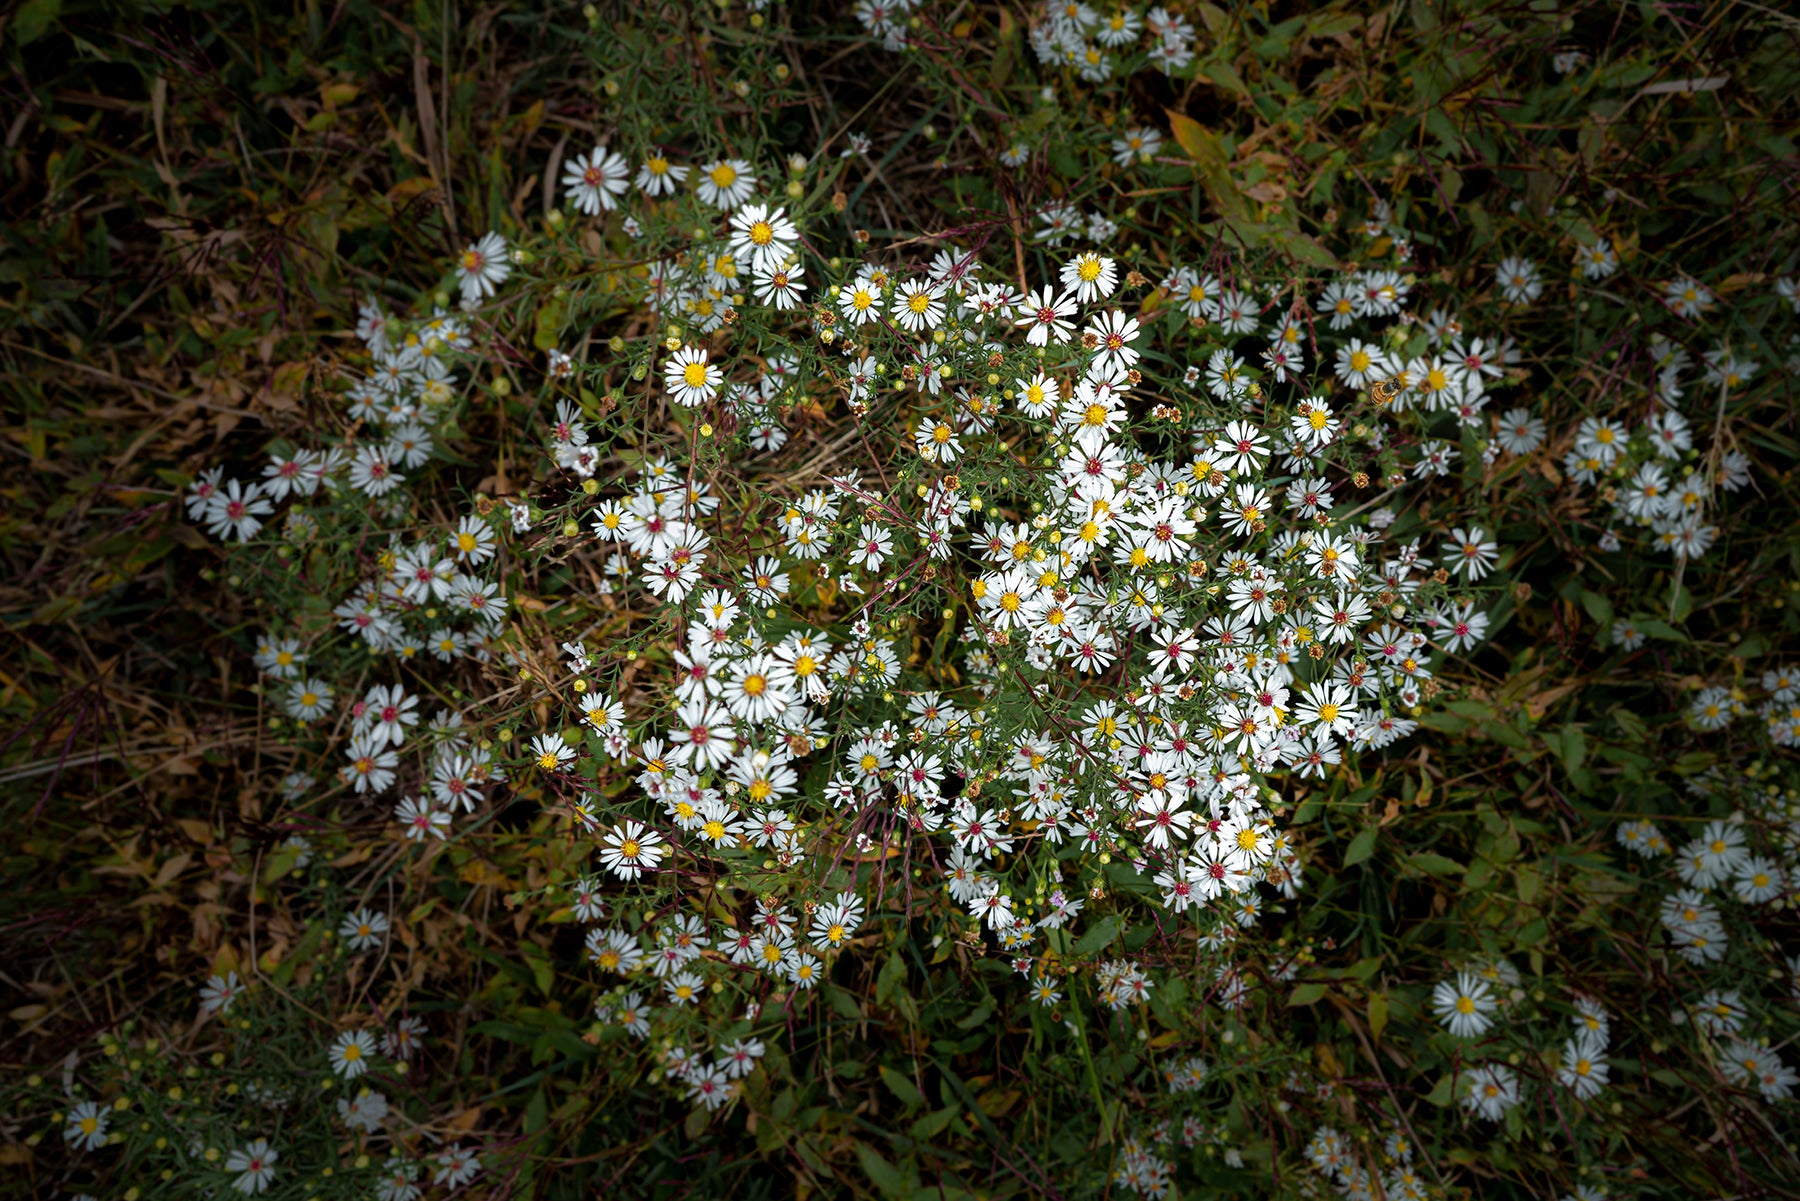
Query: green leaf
{"type": "Point", "coordinates": [550, 320]}
{"type": "Point", "coordinates": [1681, 602]}
{"type": "Point", "coordinates": [33, 18]}
{"type": "Point", "coordinates": [1434, 864]}
{"type": "Point", "coordinates": [695, 1124]}
{"type": "Point", "coordinates": [1210, 163]}
{"type": "Point", "coordinates": [1574, 748]}
{"type": "Point", "coordinates": [1632, 724]}
{"type": "Point", "coordinates": [892, 972]}
{"type": "Point", "coordinates": [1506, 735]}
{"type": "Point", "coordinates": [902, 1088]}
{"type": "Point", "coordinates": [1598, 607]}
{"type": "Point", "coordinates": [1099, 935]}
{"type": "Point", "coordinates": [982, 1013]}
{"type": "Point", "coordinates": [1378, 1014]}
{"type": "Point", "coordinates": [932, 1124]}
{"type": "Point", "coordinates": [1444, 1093]}
{"type": "Point", "coordinates": [842, 1001]}
{"type": "Point", "coordinates": [1307, 994]}
{"type": "Point", "coordinates": [1361, 847]}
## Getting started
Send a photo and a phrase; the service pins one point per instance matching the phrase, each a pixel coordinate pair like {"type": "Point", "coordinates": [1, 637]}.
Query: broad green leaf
{"type": "Point", "coordinates": [1098, 936]}
{"type": "Point", "coordinates": [1434, 864]}
{"type": "Point", "coordinates": [902, 1088]}
{"type": "Point", "coordinates": [1361, 847]}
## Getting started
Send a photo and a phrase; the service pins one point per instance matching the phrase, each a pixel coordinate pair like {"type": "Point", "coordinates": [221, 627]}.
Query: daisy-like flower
{"type": "Point", "coordinates": [918, 306]}
{"type": "Point", "coordinates": [473, 540]}
{"type": "Point", "coordinates": [1687, 297]}
{"type": "Point", "coordinates": [1520, 433]}
{"type": "Point", "coordinates": [1114, 355]}
{"type": "Point", "coordinates": [593, 182]}
{"type": "Point", "coordinates": [936, 439]}
{"type": "Point", "coordinates": [632, 848]}
{"type": "Point", "coordinates": [762, 235]}
{"type": "Point", "coordinates": [860, 302]}
{"type": "Point", "coordinates": [85, 1127]}
{"type": "Point", "coordinates": [363, 929]}
{"type": "Point", "coordinates": [1758, 880]}
{"type": "Point", "coordinates": [456, 1166]}
{"type": "Point", "coordinates": [1597, 261]}
{"type": "Point", "coordinates": [220, 993]}
{"type": "Point", "coordinates": [1518, 280]}
{"type": "Point", "coordinates": [1136, 145]}
{"type": "Point", "coordinates": [805, 970]}
{"type": "Point", "coordinates": [758, 690]}
{"type": "Point", "coordinates": [1090, 276]}
{"type": "Point", "coordinates": [1470, 553]}
{"type": "Point", "coordinates": [550, 752]}
{"type": "Point", "coordinates": [397, 1181]}
{"type": "Point", "coordinates": [702, 736]}
{"type": "Point", "coordinates": [1584, 1067]}
{"type": "Point", "coordinates": [874, 544]}
{"type": "Point", "coordinates": [363, 1112]}
{"type": "Point", "coordinates": [308, 700]}
{"type": "Point", "coordinates": [235, 510]}
{"type": "Point", "coordinates": [783, 287]}
{"type": "Point", "coordinates": [1038, 396]}
{"type": "Point", "coordinates": [419, 819]}
{"type": "Point", "coordinates": [1358, 364]}
{"type": "Point", "coordinates": [484, 266]}
{"type": "Point", "coordinates": [1493, 1089]}
{"type": "Point", "coordinates": [726, 183]}
{"type": "Point", "coordinates": [1464, 1004]}
{"type": "Point", "coordinates": [351, 1053]}
{"type": "Point", "coordinates": [1757, 1067]}
{"type": "Point", "coordinates": [614, 951]}
{"type": "Point", "coordinates": [1047, 316]}
{"type": "Point", "coordinates": [690, 379]}
{"type": "Point", "coordinates": [280, 657]}
{"type": "Point", "coordinates": [371, 764]}
{"type": "Point", "coordinates": [658, 176]}
{"type": "Point", "coordinates": [254, 1165]}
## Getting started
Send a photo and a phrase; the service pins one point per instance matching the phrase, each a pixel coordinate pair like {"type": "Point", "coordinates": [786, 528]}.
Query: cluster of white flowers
{"type": "Point", "coordinates": [1335, 1159]}
{"type": "Point", "coordinates": [1097, 44]}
